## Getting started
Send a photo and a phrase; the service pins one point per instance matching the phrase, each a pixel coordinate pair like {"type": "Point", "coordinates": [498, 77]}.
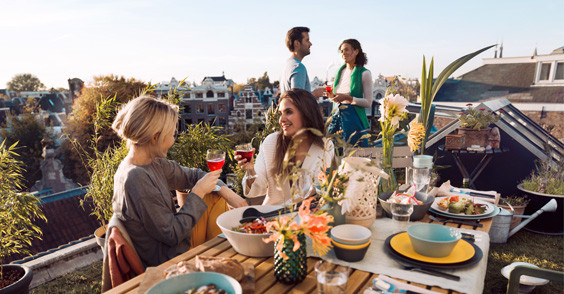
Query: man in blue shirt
{"type": "Point", "coordinates": [294, 74]}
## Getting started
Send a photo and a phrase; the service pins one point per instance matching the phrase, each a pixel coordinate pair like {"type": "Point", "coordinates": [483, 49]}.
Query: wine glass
{"type": "Point", "coordinates": [329, 90]}
{"type": "Point", "coordinates": [245, 150]}
{"type": "Point", "coordinates": [215, 159]}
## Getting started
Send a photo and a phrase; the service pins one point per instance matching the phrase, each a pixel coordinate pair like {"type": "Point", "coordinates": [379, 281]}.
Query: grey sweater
{"type": "Point", "coordinates": [142, 201]}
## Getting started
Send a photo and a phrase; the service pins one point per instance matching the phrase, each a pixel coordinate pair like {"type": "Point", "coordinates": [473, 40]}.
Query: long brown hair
{"type": "Point", "coordinates": [361, 58]}
{"type": "Point", "coordinates": [311, 117]}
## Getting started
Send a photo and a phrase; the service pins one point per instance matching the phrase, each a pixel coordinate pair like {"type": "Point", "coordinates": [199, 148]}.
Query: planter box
{"type": "Point", "coordinates": [474, 137]}
{"type": "Point", "coordinates": [549, 223]}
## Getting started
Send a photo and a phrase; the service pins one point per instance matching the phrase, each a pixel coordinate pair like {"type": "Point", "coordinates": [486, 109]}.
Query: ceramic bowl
{"type": "Point", "coordinates": [350, 234]}
{"type": "Point", "coordinates": [244, 243]}
{"type": "Point", "coordinates": [419, 211]}
{"type": "Point", "coordinates": [433, 240]}
{"type": "Point", "coordinates": [350, 253]}
{"type": "Point", "coordinates": [185, 282]}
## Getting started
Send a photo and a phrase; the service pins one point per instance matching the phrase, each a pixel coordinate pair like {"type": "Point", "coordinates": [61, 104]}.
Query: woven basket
{"type": "Point", "coordinates": [362, 191]}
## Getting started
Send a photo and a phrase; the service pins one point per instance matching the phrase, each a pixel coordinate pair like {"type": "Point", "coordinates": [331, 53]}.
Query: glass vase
{"type": "Point", "coordinates": [388, 185]}
{"type": "Point", "coordinates": [335, 210]}
{"type": "Point", "coordinates": [294, 269]}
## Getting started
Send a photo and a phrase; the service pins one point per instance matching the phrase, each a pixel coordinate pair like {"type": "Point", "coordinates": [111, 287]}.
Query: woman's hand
{"type": "Point", "coordinates": [246, 165]}
{"type": "Point", "coordinates": [232, 199]}
{"type": "Point", "coordinates": [339, 98]}
{"type": "Point", "coordinates": [206, 184]}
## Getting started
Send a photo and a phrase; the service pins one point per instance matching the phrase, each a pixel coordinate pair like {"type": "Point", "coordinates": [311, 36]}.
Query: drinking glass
{"type": "Point", "coordinates": [330, 278]}
{"type": "Point", "coordinates": [419, 177]}
{"type": "Point", "coordinates": [329, 90]}
{"type": "Point", "coordinates": [245, 150]}
{"type": "Point", "coordinates": [231, 181]}
{"type": "Point", "coordinates": [401, 214]}
{"type": "Point", "coordinates": [215, 159]}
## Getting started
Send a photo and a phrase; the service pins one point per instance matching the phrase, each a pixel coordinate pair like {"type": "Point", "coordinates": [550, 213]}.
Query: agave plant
{"type": "Point", "coordinates": [430, 87]}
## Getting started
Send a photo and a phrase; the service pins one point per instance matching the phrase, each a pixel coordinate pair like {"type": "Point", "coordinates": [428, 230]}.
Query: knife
{"type": "Point", "coordinates": [431, 272]}
{"type": "Point", "coordinates": [455, 221]}
{"type": "Point", "coordinates": [473, 194]}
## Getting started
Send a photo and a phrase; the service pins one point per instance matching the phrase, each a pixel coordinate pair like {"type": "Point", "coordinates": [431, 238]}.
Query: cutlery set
{"type": "Point", "coordinates": [456, 221]}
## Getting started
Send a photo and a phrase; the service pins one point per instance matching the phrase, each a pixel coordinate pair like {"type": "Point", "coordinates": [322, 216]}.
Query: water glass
{"type": "Point", "coordinates": [419, 177]}
{"type": "Point", "coordinates": [401, 214]}
{"type": "Point", "coordinates": [331, 279]}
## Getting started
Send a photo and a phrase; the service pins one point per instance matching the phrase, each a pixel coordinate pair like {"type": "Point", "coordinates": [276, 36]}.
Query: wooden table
{"type": "Point", "coordinates": [265, 281]}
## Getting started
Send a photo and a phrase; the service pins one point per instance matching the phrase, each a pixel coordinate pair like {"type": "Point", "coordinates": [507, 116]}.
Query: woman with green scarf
{"type": "Point", "coordinates": [352, 94]}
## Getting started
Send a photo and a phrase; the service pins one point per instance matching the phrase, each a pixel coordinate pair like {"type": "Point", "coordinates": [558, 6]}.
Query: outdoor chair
{"type": "Point", "coordinates": [121, 261]}
{"type": "Point", "coordinates": [518, 271]}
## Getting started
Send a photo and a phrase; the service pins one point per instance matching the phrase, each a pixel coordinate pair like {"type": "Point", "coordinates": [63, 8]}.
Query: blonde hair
{"type": "Point", "coordinates": [144, 117]}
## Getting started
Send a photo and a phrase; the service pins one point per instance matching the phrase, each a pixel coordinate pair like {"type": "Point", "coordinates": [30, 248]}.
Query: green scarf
{"type": "Point", "coordinates": [356, 91]}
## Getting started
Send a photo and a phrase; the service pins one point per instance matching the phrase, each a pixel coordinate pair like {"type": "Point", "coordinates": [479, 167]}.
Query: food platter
{"type": "Point", "coordinates": [478, 254]}
{"type": "Point", "coordinates": [466, 217]}
{"type": "Point", "coordinates": [489, 207]}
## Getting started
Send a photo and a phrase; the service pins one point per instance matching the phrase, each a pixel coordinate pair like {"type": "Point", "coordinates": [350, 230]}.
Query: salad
{"type": "Point", "coordinates": [258, 226]}
{"type": "Point", "coordinates": [457, 204]}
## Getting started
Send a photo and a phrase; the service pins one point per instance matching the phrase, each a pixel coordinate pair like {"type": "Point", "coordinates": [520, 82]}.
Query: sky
{"type": "Point", "coordinates": [153, 41]}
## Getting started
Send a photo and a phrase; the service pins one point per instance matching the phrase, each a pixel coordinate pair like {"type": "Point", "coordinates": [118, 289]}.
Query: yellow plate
{"type": "Point", "coordinates": [463, 251]}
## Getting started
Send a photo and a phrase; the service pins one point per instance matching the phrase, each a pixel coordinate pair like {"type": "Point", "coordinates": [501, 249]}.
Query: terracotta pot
{"type": "Point", "coordinates": [474, 137]}
{"type": "Point", "coordinates": [100, 235]}
{"type": "Point", "coordinates": [20, 286]}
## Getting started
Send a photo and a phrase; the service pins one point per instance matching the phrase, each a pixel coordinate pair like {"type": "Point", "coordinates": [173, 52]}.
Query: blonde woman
{"type": "Point", "coordinates": [144, 179]}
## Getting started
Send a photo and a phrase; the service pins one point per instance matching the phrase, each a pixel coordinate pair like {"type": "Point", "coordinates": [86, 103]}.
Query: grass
{"type": "Point", "coordinates": [85, 280]}
{"type": "Point", "coordinates": [541, 250]}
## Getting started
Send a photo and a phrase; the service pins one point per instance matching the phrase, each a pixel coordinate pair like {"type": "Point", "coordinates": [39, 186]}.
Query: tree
{"type": "Point", "coordinates": [28, 130]}
{"type": "Point", "coordinates": [25, 82]}
{"type": "Point", "coordinates": [80, 126]}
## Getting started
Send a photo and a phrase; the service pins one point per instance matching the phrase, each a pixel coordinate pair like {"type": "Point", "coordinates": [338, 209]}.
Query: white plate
{"type": "Point", "coordinates": [489, 206]}
{"type": "Point", "coordinates": [466, 217]}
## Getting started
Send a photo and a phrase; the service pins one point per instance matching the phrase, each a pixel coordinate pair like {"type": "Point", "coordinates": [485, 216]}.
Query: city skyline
{"type": "Point", "coordinates": [154, 42]}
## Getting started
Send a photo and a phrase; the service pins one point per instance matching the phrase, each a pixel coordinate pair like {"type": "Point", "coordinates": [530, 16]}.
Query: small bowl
{"type": "Point", "coordinates": [244, 243]}
{"type": "Point", "coordinates": [348, 254]}
{"type": "Point", "coordinates": [347, 246]}
{"type": "Point", "coordinates": [185, 282]}
{"type": "Point", "coordinates": [419, 210]}
{"type": "Point", "coordinates": [433, 240]}
{"type": "Point", "coordinates": [350, 234]}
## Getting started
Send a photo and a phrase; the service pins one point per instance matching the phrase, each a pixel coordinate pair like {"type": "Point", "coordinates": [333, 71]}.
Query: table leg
{"type": "Point", "coordinates": [479, 168]}
{"type": "Point", "coordinates": [466, 176]}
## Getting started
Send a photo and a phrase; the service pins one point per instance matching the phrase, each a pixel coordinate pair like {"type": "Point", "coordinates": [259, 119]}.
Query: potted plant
{"type": "Point", "coordinates": [545, 182]}
{"type": "Point", "coordinates": [101, 168]}
{"type": "Point", "coordinates": [475, 125]}
{"type": "Point", "coordinates": [518, 203]}
{"type": "Point", "coordinates": [17, 213]}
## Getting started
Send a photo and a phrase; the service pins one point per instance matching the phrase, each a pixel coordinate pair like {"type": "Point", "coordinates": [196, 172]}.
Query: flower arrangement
{"type": "Point", "coordinates": [314, 225]}
{"type": "Point", "coordinates": [477, 118]}
{"type": "Point", "coordinates": [392, 110]}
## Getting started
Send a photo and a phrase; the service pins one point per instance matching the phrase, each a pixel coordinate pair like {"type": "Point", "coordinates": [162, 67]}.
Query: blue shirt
{"type": "Point", "coordinates": [294, 76]}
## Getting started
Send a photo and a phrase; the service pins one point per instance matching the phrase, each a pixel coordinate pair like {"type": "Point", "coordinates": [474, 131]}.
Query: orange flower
{"type": "Point", "coordinates": [312, 225]}
{"type": "Point", "coordinates": [416, 135]}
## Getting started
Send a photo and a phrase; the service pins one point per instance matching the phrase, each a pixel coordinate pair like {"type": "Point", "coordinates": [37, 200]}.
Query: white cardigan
{"type": "Point", "coordinates": [317, 160]}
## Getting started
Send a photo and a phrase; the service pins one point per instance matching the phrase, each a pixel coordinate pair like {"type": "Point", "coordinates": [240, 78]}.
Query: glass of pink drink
{"type": "Point", "coordinates": [215, 159]}
{"type": "Point", "coordinates": [245, 150]}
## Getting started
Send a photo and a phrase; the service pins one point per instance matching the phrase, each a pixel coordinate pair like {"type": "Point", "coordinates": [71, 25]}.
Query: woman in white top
{"type": "Point", "coordinates": [352, 94]}
{"type": "Point", "coordinates": [299, 112]}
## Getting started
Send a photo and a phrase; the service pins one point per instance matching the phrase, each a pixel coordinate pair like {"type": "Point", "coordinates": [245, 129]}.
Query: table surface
{"type": "Point", "coordinates": [265, 280]}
